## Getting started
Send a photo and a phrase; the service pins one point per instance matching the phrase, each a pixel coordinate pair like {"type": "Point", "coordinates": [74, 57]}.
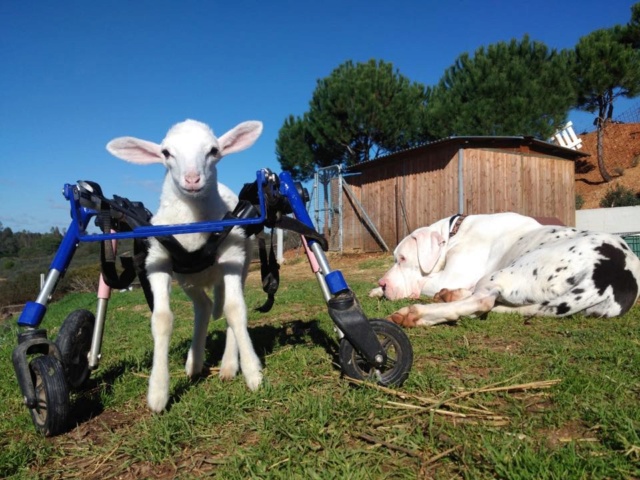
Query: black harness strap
{"type": "Point", "coordinates": [132, 214]}
{"type": "Point", "coordinates": [270, 273]}
{"type": "Point", "coordinates": [120, 214]}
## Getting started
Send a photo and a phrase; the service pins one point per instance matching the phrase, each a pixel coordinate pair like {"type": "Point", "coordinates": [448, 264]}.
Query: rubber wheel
{"type": "Point", "coordinates": [51, 414]}
{"type": "Point", "coordinates": [399, 353]}
{"type": "Point", "coordinates": [74, 343]}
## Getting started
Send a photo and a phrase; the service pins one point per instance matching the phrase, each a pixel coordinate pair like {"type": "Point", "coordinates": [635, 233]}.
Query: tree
{"type": "Point", "coordinates": [514, 88]}
{"type": "Point", "coordinates": [606, 67]}
{"type": "Point", "coordinates": [631, 35]}
{"type": "Point", "coordinates": [294, 147]}
{"type": "Point", "coordinates": [8, 243]}
{"type": "Point", "coordinates": [357, 113]}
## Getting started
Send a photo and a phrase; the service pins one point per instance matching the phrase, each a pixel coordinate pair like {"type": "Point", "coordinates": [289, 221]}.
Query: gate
{"type": "Point", "coordinates": [329, 186]}
{"type": "Point", "coordinates": [327, 193]}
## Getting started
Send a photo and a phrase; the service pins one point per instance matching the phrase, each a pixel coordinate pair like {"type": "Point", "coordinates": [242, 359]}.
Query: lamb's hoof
{"type": "Point", "coordinates": [157, 401]}
{"type": "Point", "coordinates": [404, 317]}
{"type": "Point", "coordinates": [254, 380]}
{"type": "Point", "coordinates": [158, 395]}
{"type": "Point", "coordinates": [228, 372]}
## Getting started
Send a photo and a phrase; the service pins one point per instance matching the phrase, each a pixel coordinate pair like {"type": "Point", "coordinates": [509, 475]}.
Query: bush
{"type": "Point", "coordinates": [80, 279]}
{"type": "Point", "coordinates": [579, 201]}
{"type": "Point", "coordinates": [23, 288]}
{"type": "Point", "coordinates": [619, 196]}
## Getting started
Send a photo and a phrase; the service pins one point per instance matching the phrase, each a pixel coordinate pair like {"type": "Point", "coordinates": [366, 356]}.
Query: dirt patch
{"type": "Point", "coordinates": [567, 433]}
{"type": "Point", "coordinates": [621, 157]}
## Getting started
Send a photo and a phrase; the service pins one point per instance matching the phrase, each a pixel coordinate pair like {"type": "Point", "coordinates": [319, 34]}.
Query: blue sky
{"type": "Point", "coordinates": [75, 74]}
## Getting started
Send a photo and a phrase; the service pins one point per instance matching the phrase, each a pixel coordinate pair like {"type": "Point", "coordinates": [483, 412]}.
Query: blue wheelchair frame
{"type": "Point", "coordinates": [345, 311]}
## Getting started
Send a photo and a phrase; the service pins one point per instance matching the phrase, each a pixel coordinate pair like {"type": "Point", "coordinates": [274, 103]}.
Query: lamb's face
{"type": "Point", "coordinates": [191, 152]}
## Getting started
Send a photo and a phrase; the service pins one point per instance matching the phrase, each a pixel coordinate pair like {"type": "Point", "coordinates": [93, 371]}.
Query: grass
{"type": "Point", "coordinates": [476, 405]}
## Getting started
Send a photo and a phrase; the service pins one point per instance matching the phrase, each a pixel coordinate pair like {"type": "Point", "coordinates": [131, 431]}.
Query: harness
{"type": "Point", "coordinates": [121, 214]}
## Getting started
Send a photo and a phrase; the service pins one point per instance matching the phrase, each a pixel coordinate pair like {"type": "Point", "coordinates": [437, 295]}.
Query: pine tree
{"type": "Point", "coordinates": [515, 88]}
{"type": "Point", "coordinates": [606, 67]}
{"type": "Point", "coordinates": [357, 113]}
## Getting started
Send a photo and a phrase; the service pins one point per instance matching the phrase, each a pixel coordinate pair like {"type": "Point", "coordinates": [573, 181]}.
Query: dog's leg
{"type": "Point", "coordinates": [436, 313]}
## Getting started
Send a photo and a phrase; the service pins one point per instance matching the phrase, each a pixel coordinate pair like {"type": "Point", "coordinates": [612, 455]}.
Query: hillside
{"type": "Point", "coordinates": [622, 159]}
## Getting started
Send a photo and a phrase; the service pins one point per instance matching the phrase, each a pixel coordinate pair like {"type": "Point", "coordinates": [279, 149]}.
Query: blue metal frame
{"type": "Point", "coordinates": [34, 312]}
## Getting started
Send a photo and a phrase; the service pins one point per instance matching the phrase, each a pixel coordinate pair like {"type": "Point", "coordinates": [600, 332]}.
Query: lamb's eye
{"type": "Point", "coordinates": [213, 152]}
{"type": "Point", "coordinates": [166, 153]}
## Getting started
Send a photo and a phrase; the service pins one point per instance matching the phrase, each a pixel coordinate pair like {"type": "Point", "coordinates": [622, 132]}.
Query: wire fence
{"type": "Point", "coordinates": [630, 115]}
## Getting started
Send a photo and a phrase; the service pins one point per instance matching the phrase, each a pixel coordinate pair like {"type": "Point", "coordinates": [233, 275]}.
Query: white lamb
{"type": "Point", "coordinates": [191, 193]}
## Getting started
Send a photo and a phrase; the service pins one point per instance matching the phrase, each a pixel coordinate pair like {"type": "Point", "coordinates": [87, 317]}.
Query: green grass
{"type": "Point", "coordinates": [308, 422]}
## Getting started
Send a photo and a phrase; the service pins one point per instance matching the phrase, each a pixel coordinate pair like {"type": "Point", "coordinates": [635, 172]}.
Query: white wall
{"type": "Point", "coordinates": [610, 220]}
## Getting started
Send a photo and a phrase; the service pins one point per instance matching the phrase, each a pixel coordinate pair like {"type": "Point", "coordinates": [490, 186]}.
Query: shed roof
{"type": "Point", "coordinates": [522, 143]}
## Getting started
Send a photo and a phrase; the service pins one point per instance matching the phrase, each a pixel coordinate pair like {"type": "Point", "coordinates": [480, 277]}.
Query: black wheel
{"type": "Point", "coordinates": [74, 343]}
{"type": "Point", "coordinates": [51, 414]}
{"type": "Point", "coordinates": [399, 352]}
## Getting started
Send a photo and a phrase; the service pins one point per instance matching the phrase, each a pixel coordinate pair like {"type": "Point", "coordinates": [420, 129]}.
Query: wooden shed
{"type": "Point", "coordinates": [416, 187]}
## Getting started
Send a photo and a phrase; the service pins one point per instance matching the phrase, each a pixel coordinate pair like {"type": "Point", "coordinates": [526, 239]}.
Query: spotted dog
{"type": "Point", "coordinates": [507, 262]}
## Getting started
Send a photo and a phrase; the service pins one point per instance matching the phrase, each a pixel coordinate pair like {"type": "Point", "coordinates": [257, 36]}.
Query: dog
{"type": "Point", "coordinates": [507, 262]}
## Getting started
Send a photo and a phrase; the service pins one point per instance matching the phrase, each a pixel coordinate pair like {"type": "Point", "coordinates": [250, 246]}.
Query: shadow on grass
{"type": "Point", "coordinates": [265, 339]}
{"type": "Point", "coordinates": [87, 403]}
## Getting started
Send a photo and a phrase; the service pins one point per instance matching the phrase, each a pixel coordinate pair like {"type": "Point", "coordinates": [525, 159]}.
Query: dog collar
{"type": "Point", "coordinates": [454, 224]}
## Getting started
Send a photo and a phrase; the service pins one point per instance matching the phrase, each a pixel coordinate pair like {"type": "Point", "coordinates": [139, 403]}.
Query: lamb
{"type": "Point", "coordinates": [191, 193]}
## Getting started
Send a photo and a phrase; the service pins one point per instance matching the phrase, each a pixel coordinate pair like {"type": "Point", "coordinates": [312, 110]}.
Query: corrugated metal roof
{"type": "Point", "coordinates": [486, 142]}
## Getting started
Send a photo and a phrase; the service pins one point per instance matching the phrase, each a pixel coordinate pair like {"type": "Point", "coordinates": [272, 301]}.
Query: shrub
{"type": "Point", "coordinates": [80, 279]}
{"type": "Point", "coordinates": [579, 201]}
{"type": "Point", "coordinates": [619, 196]}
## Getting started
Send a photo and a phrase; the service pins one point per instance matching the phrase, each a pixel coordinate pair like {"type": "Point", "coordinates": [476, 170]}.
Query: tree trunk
{"type": "Point", "coordinates": [603, 170]}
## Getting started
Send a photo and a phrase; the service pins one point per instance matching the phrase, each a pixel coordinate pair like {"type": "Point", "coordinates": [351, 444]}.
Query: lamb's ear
{"type": "Point", "coordinates": [135, 150]}
{"type": "Point", "coordinates": [430, 246]}
{"type": "Point", "coordinates": [240, 137]}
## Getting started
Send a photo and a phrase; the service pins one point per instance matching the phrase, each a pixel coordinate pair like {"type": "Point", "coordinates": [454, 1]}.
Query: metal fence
{"type": "Point", "coordinates": [327, 196]}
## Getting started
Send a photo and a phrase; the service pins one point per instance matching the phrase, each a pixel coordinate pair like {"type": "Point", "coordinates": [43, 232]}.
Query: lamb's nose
{"type": "Point", "coordinates": [382, 283]}
{"type": "Point", "coordinates": [192, 178]}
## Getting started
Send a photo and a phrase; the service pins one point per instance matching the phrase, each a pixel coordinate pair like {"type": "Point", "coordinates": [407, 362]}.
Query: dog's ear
{"type": "Point", "coordinates": [430, 245]}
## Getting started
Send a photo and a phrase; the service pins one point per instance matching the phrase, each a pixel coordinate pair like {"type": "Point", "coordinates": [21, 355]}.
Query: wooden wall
{"type": "Point", "coordinates": [418, 187]}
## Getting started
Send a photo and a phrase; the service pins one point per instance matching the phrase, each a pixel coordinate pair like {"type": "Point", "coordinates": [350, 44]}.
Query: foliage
{"type": "Point", "coordinates": [27, 244]}
{"type": "Point", "coordinates": [579, 201]}
{"type": "Point", "coordinates": [606, 67]}
{"type": "Point", "coordinates": [515, 88]}
{"type": "Point", "coordinates": [308, 422]}
{"type": "Point", "coordinates": [357, 113]}
{"type": "Point", "coordinates": [294, 147]}
{"type": "Point", "coordinates": [631, 35]}
{"type": "Point", "coordinates": [619, 196]}
{"type": "Point", "coordinates": [20, 274]}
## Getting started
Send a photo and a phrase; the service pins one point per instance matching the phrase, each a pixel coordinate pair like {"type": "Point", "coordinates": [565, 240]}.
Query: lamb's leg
{"type": "Point", "coordinates": [229, 364]}
{"type": "Point", "coordinates": [235, 311]}
{"type": "Point", "coordinates": [161, 329]}
{"type": "Point", "coordinates": [202, 308]}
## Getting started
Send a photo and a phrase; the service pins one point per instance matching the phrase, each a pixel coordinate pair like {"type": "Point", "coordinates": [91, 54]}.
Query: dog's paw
{"type": "Point", "coordinates": [405, 317]}
{"type": "Point", "coordinates": [376, 292]}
